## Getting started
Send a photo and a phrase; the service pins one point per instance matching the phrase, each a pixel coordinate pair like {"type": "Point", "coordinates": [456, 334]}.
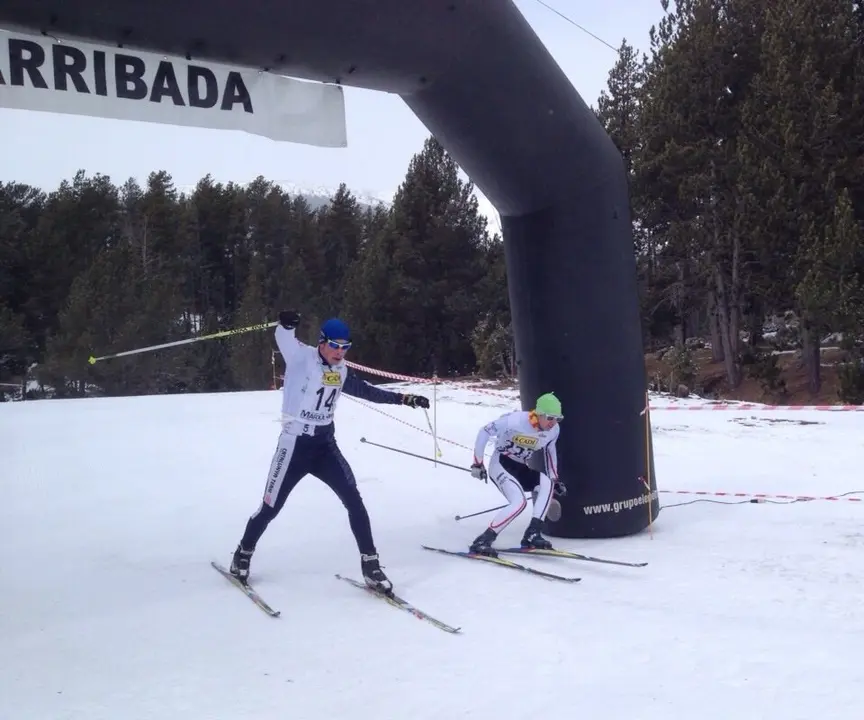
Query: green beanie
{"type": "Point", "coordinates": [548, 404]}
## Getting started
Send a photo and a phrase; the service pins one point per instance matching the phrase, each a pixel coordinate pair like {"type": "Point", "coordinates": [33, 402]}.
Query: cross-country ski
{"type": "Point", "coordinates": [504, 563]}
{"type": "Point", "coordinates": [247, 590]}
{"type": "Point", "coordinates": [566, 554]}
{"type": "Point", "coordinates": [394, 600]}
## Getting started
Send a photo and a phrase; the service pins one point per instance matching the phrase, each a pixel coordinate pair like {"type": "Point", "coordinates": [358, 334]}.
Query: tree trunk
{"type": "Point", "coordinates": [727, 281]}
{"type": "Point", "coordinates": [729, 308]}
{"type": "Point", "coordinates": [811, 355]}
{"type": "Point", "coordinates": [678, 334]}
{"type": "Point", "coordinates": [694, 323]}
{"type": "Point", "coordinates": [727, 314]}
{"type": "Point", "coordinates": [755, 323]}
{"type": "Point", "coordinates": [717, 354]}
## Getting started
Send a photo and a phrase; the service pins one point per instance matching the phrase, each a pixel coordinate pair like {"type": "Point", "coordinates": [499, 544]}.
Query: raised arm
{"type": "Point", "coordinates": [286, 336]}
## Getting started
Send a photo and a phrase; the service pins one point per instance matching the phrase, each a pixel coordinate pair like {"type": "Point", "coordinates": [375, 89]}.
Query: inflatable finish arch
{"type": "Point", "coordinates": [477, 76]}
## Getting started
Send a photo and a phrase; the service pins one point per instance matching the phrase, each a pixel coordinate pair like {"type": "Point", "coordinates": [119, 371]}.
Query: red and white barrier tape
{"type": "Point", "coordinates": [703, 407]}
{"type": "Point", "coordinates": [428, 381]}
{"type": "Point", "coordinates": [751, 407]}
{"type": "Point", "coordinates": [384, 373]}
{"type": "Point", "coordinates": [763, 496]}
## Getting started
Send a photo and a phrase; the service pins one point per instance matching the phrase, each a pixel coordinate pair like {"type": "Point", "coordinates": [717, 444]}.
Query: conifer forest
{"type": "Point", "coordinates": [741, 129]}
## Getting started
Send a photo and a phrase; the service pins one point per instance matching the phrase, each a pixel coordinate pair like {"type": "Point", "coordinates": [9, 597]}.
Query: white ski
{"type": "Point", "coordinates": [247, 590]}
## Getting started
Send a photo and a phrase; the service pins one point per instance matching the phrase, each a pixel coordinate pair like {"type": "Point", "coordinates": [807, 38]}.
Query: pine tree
{"type": "Point", "coordinates": [302, 270]}
{"type": "Point", "coordinates": [492, 338]}
{"type": "Point", "coordinates": [436, 235]}
{"type": "Point", "coordinates": [371, 298]}
{"type": "Point", "coordinates": [703, 60]}
{"type": "Point", "coordinates": [803, 129]}
{"type": "Point", "coordinates": [270, 218]}
{"type": "Point", "coordinates": [339, 237]}
{"type": "Point", "coordinates": [618, 109]}
{"type": "Point", "coordinates": [250, 353]}
{"type": "Point", "coordinates": [77, 221]}
{"type": "Point", "coordinates": [20, 209]}
{"type": "Point", "coordinates": [14, 341]}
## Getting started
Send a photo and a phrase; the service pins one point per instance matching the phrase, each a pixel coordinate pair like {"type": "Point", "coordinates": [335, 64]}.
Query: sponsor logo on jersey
{"type": "Point", "coordinates": [331, 378]}
{"type": "Point", "coordinates": [276, 474]}
{"type": "Point", "coordinates": [525, 441]}
{"type": "Point", "coordinates": [314, 416]}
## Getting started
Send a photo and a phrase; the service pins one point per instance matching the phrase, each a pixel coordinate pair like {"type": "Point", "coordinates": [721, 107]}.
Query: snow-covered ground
{"type": "Point", "coordinates": [111, 510]}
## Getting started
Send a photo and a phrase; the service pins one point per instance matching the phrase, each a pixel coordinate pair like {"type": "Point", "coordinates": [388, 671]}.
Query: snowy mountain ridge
{"type": "Point", "coordinates": [316, 195]}
{"type": "Point", "coordinates": [319, 195]}
{"type": "Point", "coordinates": [323, 193]}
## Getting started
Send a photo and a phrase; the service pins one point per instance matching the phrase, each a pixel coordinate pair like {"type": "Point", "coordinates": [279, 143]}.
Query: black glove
{"type": "Point", "coordinates": [289, 319]}
{"type": "Point", "coordinates": [559, 489]}
{"type": "Point", "coordinates": [415, 401]}
{"type": "Point", "coordinates": [479, 472]}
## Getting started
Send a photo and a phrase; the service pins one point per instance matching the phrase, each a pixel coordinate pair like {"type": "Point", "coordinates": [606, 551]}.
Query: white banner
{"type": "Point", "coordinates": [81, 78]}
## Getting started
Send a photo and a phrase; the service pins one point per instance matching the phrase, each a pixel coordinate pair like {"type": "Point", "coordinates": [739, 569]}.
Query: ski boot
{"type": "Point", "coordinates": [532, 537]}
{"type": "Point", "coordinates": [374, 575]}
{"type": "Point", "coordinates": [482, 544]}
{"type": "Point", "coordinates": [240, 564]}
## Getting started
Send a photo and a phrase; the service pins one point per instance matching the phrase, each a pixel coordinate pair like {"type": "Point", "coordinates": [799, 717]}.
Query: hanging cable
{"type": "Point", "coordinates": [575, 24]}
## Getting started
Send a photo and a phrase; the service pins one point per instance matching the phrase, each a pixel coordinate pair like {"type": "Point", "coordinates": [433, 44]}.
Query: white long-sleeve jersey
{"type": "Point", "coordinates": [518, 438]}
{"type": "Point", "coordinates": [312, 387]}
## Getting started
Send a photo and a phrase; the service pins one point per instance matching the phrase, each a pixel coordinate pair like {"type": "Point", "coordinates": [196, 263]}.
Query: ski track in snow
{"type": "Point", "coordinates": [112, 509]}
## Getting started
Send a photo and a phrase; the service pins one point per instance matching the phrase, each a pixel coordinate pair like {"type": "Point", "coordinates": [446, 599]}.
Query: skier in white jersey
{"type": "Point", "coordinates": [518, 436]}
{"type": "Point", "coordinates": [314, 380]}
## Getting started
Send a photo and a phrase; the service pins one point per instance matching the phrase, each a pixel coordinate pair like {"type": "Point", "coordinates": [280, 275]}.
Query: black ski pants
{"type": "Point", "coordinates": [297, 456]}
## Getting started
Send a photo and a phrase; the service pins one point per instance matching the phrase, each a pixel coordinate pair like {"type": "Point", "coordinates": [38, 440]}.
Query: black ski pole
{"type": "Point", "coordinates": [482, 512]}
{"type": "Point", "coordinates": [421, 457]}
{"type": "Point", "coordinates": [440, 462]}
